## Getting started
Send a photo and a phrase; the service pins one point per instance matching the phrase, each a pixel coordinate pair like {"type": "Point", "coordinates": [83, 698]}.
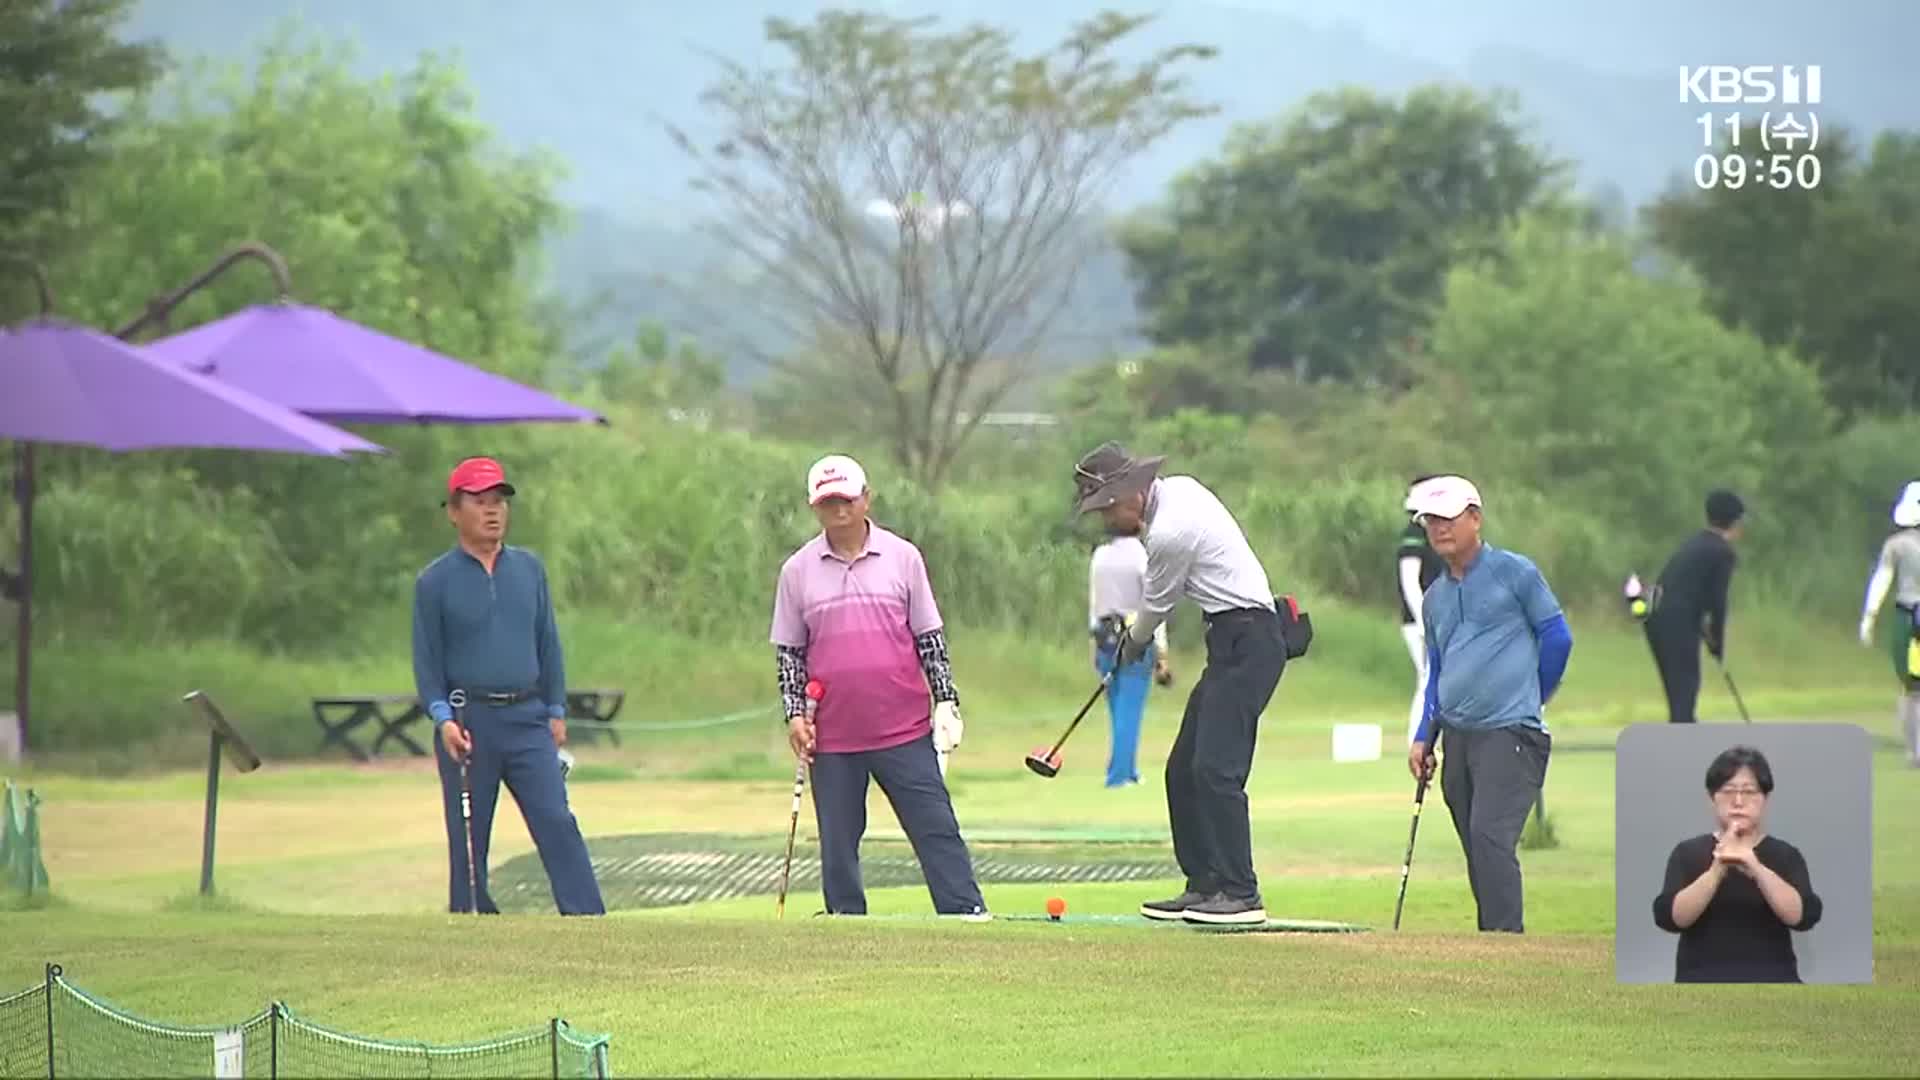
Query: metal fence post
{"type": "Point", "coordinates": [213, 803]}
{"type": "Point", "coordinates": [32, 832]}
{"type": "Point", "coordinates": [53, 972]}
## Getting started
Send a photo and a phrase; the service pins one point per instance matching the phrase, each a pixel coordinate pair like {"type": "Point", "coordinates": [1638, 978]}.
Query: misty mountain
{"type": "Point", "coordinates": [596, 80]}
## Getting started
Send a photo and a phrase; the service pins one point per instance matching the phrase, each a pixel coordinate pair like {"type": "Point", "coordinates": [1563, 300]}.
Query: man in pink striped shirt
{"type": "Point", "coordinates": [855, 610]}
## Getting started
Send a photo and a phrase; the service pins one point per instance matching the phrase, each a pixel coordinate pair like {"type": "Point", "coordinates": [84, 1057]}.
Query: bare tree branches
{"type": "Point", "coordinates": [920, 200]}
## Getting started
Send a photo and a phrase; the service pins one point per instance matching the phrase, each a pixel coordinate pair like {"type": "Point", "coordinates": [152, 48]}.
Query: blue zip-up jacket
{"type": "Point", "coordinates": [1497, 645]}
{"type": "Point", "coordinates": [486, 631]}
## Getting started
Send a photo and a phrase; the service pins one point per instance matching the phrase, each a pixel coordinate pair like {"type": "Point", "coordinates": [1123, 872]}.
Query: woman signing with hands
{"type": "Point", "coordinates": [1735, 895]}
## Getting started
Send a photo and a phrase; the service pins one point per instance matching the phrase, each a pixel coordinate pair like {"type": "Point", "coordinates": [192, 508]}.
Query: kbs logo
{"type": "Point", "coordinates": [1724, 84]}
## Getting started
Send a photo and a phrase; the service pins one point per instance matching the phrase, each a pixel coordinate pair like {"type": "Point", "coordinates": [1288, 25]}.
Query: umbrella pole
{"type": "Point", "coordinates": [23, 491]}
{"type": "Point", "coordinates": [23, 648]}
{"type": "Point", "coordinates": [162, 306]}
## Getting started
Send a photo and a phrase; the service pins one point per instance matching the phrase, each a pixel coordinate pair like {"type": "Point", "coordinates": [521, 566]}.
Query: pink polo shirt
{"type": "Point", "coordinates": [857, 621]}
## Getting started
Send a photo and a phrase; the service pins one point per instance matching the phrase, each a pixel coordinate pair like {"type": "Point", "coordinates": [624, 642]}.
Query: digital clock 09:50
{"type": "Point", "coordinates": [1777, 171]}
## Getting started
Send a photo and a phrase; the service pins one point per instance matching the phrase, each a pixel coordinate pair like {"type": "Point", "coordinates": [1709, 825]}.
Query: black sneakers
{"type": "Point", "coordinates": [1175, 908]}
{"type": "Point", "coordinates": [1221, 909]}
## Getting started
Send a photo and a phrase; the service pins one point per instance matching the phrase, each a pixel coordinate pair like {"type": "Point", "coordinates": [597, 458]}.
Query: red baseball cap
{"type": "Point", "coordinates": [478, 474]}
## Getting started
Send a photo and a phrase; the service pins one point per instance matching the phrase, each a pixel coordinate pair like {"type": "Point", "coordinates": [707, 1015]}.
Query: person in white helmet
{"type": "Point", "coordinates": [1898, 572]}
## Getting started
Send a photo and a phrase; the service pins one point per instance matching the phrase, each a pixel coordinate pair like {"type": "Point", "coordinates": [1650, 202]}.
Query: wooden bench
{"type": "Point", "coordinates": [394, 713]}
{"type": "Point", "coordinates": [340, 716]}
{"type": "Point", "coordinates": [594, 710]}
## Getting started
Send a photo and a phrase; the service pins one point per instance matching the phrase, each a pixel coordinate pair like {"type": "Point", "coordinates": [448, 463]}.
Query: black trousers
{"type": "Point", "coordinates": [1491, 780]}
{"type": "Point", "coordinates": [1676, 653]}
{"type": "Point", "coordinates": [1212, 755]}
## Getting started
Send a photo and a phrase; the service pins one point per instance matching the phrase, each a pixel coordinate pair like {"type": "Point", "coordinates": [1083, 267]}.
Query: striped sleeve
{"type": "Point", "coordinates": [791, 661]}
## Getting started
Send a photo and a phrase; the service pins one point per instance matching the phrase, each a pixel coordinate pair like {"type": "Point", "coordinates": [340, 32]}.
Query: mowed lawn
{"type": "Point", "coordinates": [331, 878]}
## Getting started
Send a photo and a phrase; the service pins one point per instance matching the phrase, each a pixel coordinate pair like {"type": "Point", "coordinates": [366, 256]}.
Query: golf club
{"type": "Point", "coordinates": [814, 693]}
{"type": "Point", "coordinates": [1734, 690]}
{"type": "Point", "coordinates": [458, 699]}
{"type": "Point", "coordinates": [1406, 866]}
{"type": "Point", "coordinates": [1048, 764]}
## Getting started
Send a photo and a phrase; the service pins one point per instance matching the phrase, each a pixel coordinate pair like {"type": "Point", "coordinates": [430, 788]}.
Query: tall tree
{"type": "Point", "coordinates": [1319, 240]}
{"type": "Point", "coordinates": [1830, 268]}
{"type": "Point", "coordinates": [1563, 368]}
{"type": "Point", "coordinates": [927, 195]}
{"type": "Point", "coordinates": [59, 59]}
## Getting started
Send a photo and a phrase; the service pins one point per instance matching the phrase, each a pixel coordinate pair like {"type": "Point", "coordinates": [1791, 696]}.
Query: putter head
{"type": "Point", "coordinates": [1043, 763]}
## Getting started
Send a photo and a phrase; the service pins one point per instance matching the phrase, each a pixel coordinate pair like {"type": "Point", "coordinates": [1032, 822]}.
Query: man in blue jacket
{"type": "Point", "coordinates": [1497, 644]}
{"type": "Point", "coordinates": [483, 623]}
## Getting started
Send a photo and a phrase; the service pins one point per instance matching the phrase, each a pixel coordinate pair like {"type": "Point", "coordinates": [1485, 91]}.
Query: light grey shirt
{"type": "Point", "coordinates": [1196, 549]}
{"type": "Point", "coordinates": [1900, 565]}
{"type": "Point", "coordinates": [1117, 582]}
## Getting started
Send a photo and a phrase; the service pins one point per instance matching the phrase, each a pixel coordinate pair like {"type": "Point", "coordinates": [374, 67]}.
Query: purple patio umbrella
{"type": "Point", "coordinates": [61, 383]}
{"type": "Point", "coordinates": [315, 362]}
{"type": "Point", "coordinates": [70, 384]}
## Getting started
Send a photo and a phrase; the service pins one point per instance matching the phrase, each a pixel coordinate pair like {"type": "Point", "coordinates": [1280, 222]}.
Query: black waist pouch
{"type": "Point", "coordinates": [1296, 626]}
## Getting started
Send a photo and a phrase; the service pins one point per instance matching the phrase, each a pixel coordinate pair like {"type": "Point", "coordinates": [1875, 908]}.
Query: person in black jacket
{"type": "Point", "coordinates": [1736, 895]}
{"type": "Point", "coordinates": [1417, 567]}
{"type": "Point", "coordinates": [1689, 604]}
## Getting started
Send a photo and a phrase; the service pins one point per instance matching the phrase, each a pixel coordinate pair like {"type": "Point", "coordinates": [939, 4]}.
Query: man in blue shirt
{"type": "Point", "coordinates": [1497, 644]}
{"type": "Point", "coordinates": [483, 623]}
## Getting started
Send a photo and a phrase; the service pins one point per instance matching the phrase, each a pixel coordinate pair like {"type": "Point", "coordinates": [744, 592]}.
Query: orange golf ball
{"type": "Point", "coordinates": [1056, 907]}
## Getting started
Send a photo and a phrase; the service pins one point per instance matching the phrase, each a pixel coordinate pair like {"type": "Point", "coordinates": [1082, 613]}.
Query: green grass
{"type": "Point", "coordinates": [107, 707]}
{"type": "Point", "coordinates": [330, 877]}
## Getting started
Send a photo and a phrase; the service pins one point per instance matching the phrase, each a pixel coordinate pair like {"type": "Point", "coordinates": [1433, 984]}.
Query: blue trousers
{"type": "Point", "coordinates": [1126, 702]}
{"type": "Point", "coordinates": [515, 745]}
{"type": "Point", "coordinates": [909, 775]}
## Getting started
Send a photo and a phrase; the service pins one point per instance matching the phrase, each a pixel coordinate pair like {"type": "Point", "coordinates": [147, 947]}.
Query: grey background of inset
{"type": "Point", "coordinates": [1822, 803]}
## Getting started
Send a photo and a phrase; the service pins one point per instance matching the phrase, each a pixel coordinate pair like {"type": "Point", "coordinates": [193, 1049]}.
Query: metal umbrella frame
{"type": "Point", "coordinates": [19, 587]}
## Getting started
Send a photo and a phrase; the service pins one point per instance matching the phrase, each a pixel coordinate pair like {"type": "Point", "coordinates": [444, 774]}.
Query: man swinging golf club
{"type": "Point", "coordinates": [1196, 549]}
{"type": "Point", "coordinates": [854, 609]}
{"type": "Point", "coordinates": [1688, 606]}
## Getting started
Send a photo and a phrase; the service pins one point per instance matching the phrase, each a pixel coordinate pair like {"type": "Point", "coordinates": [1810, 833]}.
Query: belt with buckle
{"type": "Point", "coordinates": [500, 699]}
{"type": "Point", "coordinates": [1236, 613]}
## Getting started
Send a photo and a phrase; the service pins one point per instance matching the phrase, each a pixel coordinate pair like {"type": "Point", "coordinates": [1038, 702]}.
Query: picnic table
{"type": "Point", "coordinates": [342, 716]}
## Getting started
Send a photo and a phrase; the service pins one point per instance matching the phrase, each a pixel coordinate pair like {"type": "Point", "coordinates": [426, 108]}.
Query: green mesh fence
{"type": "Point", "coordinates": [57, 1030]}
{"type": "Point", "coordinates": [21, 867]}
{"type": "Point", "coordinates": [23, 1034]}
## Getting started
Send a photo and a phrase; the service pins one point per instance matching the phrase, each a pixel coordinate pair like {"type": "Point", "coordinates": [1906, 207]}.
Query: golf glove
{"type": "Point", "coordinates": [566, 762]}
{"type": "Point", "coordinates": [947, 727]}
{"type": "Point", "coordinates": [1866, 630]}
{"type": "Point", "coordinates": [1131, 648]}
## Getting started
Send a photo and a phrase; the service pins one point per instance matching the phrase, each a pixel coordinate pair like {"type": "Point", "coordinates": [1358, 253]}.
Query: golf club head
{"type": "Point", "coordinates": [1043, 763]}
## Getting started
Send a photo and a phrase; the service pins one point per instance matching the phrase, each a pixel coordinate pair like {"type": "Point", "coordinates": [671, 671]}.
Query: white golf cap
{"type": "Point", "coordinates": [835, 474]}
{"type": "Point", "coordinates": [1443, 497]}
{"type": "Point", "coordinates": [1906, 512]}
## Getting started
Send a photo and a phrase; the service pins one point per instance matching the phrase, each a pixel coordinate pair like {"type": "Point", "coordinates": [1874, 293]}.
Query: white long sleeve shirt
{"type": "Point", "coordinates": [1195, 549]}
{"type": "Point", "coordinates": [1898, 571]}
{"type": "Point", "coordinates": [1117, 583]}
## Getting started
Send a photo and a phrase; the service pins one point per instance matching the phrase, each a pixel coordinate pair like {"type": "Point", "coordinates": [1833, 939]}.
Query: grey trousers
{"type": "Point", "coordinates": [1490, 780]}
